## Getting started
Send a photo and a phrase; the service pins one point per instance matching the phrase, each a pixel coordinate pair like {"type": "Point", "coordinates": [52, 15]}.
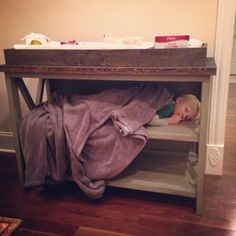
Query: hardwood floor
{"type": "Point", "coordinates": [64, 210]}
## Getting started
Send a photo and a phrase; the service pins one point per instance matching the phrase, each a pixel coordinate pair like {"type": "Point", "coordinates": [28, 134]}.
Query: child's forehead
{"type": "Point", "coordinates": [187, 104]}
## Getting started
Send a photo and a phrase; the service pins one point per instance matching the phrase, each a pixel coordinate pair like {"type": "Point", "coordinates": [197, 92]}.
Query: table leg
{"type": "Point", "coordinates": [15, 113]}
{"type": "Point", "coordinates": [202, 145]}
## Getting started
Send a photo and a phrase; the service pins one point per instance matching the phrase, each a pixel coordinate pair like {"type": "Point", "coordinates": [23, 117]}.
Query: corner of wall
{"type": "Point", "coordinates": [219, 87]}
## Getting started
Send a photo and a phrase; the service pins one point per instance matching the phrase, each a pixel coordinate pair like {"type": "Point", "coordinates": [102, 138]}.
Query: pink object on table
{"type": "Point", "coordinates": [72, 42]}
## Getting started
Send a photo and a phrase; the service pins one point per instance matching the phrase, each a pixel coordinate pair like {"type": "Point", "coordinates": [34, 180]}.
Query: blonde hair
{"type": "Point", "coordinates": [194, 104]}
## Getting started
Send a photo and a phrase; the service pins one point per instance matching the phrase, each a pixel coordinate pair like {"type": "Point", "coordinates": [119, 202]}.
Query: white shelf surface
{"type": "Point", "coordinates": [159, 172]}
{"type": "Point", "coordinates": [187, 131]}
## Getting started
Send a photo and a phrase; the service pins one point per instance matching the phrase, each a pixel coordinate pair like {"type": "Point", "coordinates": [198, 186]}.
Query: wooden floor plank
{"type": "Point", "coordinates": [88, 231]}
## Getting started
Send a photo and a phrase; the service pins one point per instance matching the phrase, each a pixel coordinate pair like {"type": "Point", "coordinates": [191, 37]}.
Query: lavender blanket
{"type": "Point", "coordinates": [91, 137]}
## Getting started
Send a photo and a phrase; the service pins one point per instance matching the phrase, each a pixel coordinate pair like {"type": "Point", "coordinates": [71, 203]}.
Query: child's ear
{"type": "Point", "coordinates": [179, 99]}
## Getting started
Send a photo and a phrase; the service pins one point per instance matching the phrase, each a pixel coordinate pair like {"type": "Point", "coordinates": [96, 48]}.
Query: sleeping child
{"type": "Point", "coordinates": [186, 107]}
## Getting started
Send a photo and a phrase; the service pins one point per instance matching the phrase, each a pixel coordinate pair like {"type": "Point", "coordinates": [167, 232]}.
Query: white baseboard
{"type": "Point", "coordinates": [214, 159]}
{"type": "Point", "coordinates": [6, 142]}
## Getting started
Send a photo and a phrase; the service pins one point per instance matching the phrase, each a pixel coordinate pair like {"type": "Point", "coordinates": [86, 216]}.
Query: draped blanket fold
{"type": "Point", "coordinates": [91, 137]}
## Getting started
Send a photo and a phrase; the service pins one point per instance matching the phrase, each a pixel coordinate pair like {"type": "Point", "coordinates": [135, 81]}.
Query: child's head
{"type": "Point", "coordinates": [188, 107]}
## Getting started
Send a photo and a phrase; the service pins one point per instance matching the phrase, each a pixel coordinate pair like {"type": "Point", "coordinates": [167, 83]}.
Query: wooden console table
{"type": "Point", "coordinates": [185, 68]}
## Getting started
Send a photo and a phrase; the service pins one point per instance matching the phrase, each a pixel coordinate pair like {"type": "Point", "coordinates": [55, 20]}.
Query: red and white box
{"type": "Point", "coordinates": [175, 41]}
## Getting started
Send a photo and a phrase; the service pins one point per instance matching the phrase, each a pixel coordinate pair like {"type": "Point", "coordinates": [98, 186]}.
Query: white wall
{"type": "Point", "coordinates": [233, 65]}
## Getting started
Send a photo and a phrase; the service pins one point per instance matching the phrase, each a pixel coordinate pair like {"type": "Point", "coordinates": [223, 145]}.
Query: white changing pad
{"type": "Point", "coordinates": [86, 46]}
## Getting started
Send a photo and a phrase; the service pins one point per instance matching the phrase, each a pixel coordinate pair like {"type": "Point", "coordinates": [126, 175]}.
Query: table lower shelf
{"type": "Point", "coordinates": [157, 172]}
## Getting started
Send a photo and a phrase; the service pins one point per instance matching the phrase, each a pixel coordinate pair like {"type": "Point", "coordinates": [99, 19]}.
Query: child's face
{"type": "Point", "coordinates": [183, 109]}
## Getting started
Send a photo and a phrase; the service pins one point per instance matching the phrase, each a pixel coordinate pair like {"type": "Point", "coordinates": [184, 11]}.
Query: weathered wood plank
{"type": "Point", "coordinates": [96, 70]}
{"type": "Point", "coordinates": [109, 58]}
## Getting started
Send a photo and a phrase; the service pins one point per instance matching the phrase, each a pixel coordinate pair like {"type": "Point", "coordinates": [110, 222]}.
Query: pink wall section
{"type": "Point", "coordinates": [89, 20]}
